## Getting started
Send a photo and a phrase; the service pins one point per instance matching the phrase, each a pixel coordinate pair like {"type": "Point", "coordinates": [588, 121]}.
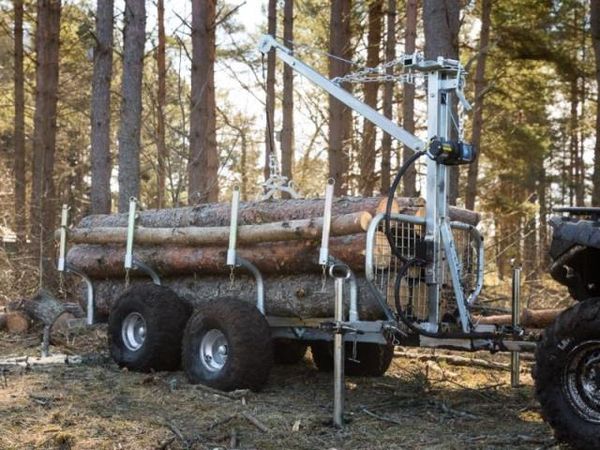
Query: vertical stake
{"type": "Point", "coordinates": [515, 361]}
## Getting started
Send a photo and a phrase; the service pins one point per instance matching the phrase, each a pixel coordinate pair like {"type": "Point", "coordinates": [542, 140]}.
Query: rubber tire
{"type": "Point", "coordinates": [250, 349]}
{"type": "Point", "coordinates": [573, 326]}
{"type": "Point", "coordinates": [375, 359]}
{"type": "Point", "coordinates": [165, 314]}
{"type": "Point", "coordinates": [288, 351]}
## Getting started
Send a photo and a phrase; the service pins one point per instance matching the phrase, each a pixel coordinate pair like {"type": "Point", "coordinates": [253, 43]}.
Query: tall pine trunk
{"type": "Point", "coordinates": [161, 146]}
{"type": "Point", "coordinates": [287, 129]}
{"type": "Point", "coordinates": [595, 30]}
{"type": "Point", "coordinates": [131, 101]}
{"type": "Point", "coordinates": [43, 193]}
{"type": "Point", "coordinates": [203, 165]}
{"type": "Point", "coordinates": [368, 152]}
{"type": "Point", "coordinates": [100, 109]}
{"type": "Point", "coordinates": [441, 20]}
{"type": "Point", "coordinates": [388, 95]}
{"type": "Point", "coordinates": [340, 116]}
{"type": "Point", "coordinates": [409, 180]}
{"type": "Point", "coordinates": [484, 42]}
{"type": "Point", "coordinates": [270, 101]}
{"type": "Point", "coordinates": [19, 125]}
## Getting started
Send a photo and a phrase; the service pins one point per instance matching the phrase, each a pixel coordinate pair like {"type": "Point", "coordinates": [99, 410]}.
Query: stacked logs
{"type": "Point", "coordinates": [281, 237]}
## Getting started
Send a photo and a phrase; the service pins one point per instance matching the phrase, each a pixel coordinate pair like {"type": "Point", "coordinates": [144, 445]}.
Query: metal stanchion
{"type": "Point", "coordinates": [340, 273]}
{"type": "Point", "coordinates": [515, 362]}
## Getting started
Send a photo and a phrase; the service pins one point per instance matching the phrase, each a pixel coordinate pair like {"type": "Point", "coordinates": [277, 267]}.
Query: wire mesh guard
{"type": "Point", "coordinates": [413, 292]}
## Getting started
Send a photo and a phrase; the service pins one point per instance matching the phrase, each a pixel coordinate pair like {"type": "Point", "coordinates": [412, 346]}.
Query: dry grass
{"type": "Point", "coordinates": [416, 405]}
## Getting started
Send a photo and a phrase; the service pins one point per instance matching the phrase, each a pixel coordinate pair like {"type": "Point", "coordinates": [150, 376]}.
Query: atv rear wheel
{"type": "Point", "coordinates": [567, 375]}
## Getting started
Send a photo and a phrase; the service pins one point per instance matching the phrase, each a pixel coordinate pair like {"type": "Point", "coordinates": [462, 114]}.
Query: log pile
{"type": "Point", "coordinates": [281, 237]}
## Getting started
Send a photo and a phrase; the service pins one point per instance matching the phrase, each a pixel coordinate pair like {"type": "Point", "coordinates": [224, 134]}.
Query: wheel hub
{"type": "Point", "coordinates": [214, 350]}
{"type": "Point", "coordinates": [582, 380]}
{"type": "Point", "coordinates": [133, 331]}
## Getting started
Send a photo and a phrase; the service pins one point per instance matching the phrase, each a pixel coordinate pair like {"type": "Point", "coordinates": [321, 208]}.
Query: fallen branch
{"type": "Point", "coordinates": [254, 421]}
{"type": "Point", "coordinates": [233, 395]}
{"type": "Point", "coordinates": [454, 360]}
{"type": "Point", "coordinates": [384, 419]}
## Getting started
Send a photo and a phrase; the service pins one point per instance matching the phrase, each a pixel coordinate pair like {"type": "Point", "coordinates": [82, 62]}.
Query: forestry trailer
{"type": "Point", "coordinates": [236, 286]}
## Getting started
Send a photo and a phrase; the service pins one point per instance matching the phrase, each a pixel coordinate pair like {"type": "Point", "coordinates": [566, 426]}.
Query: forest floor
{"type": "Point", "coordinates": [416, 405]}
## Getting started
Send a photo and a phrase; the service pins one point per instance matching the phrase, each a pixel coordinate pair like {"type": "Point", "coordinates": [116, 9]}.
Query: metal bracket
{"type": "Point", "coordinates": [131, 262]}
{"type": "Point", "coordinates": [277, 182]}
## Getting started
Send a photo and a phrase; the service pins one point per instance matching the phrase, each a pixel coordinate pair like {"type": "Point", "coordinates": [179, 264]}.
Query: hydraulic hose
{"type": "Point", "coordinates": [407, 263]}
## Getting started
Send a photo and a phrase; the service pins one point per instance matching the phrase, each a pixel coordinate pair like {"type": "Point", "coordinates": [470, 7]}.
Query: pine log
{"type": "Point", "coordinates": [17, 322]}
{"type": "Point", "coordinates": [45, 308]}
{"type": "Point", "coordinates": [106, 261]}
{"type": "Point", "coordinates": [250, 213]}
{"type": "Point", "coordinates": [216, 235]}
{"type": "Point", "coordinates": [299, 296]}
{"type": "Point", "coordinates": [532, 318]}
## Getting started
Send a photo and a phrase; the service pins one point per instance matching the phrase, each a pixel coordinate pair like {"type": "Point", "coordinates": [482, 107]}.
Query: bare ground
{"type": "Point", "coordinates": [417, 405]}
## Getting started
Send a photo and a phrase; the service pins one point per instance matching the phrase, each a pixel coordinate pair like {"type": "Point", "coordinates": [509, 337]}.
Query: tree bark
{"type": "Point", "coordinates": [134, 37]}
{"type": "Point", "coordinates": [203, 165]}
{"type": "Point", "coordinates": [388, 95]}
{"type": "Point", "coordinates": [484, 42]}
{"type": "Point", "coordinates": [409, 180]}
{"type": "Point", "coordinates": [287, 129]}
{"type": "Point", "coordinates": [300, 296]}
{"type": "Point", "coordinates": [441, 22]}
{"type": "Point", "coordinates": [19, 125]}
{"type": "Point", "coordinates": [368, 154]}
{"type": "Point", "coordinates": [100, 109]}
{"type": "Point", "coordinates": [340, 116]}
{"type": "Point", "coordinates": [532, 318]}
{"type": "Point", "coordinates": [270, 101]}
{"type": "Point", "coordinates": [280, 257]}
{"type": "Point", "coordinates": [246, 234]}
{"type": "Point", "coordinates": [43, 193]}
{"type": "Point", "coordinates": [162, 152]}
{"type": "Point", "coordinates": [250, 213]}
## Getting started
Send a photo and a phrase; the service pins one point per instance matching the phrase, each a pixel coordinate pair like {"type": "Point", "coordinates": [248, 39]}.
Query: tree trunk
{"type": "Point", "coordinates": [340, 116]}
{"type": "Point", "coordinates": [246, 234]}
{"type": "Point", "coordinates": [134, 37]}
{"type": "Point", "coordinates": [409, 180]}
{"type": "Point", "coordinates": [43, 194]}
{"type": "Point", "coordinates": [270, 101]}
{"type": "Point", "coordinates": [388, 95]}
{"type": "Point", "coordinates": [278, 257]}
{"type": "Point", "coordinates": [203, 165]}
{"type": "Point", "coordinates": [19, 124]}
{"type": "Point", "coordinates": [484, 42]}
{"type": "Point", "coordinates": [368, 155]}
{"type": "Point", "coordinates": [250, 213]}
{"type": "Point", "coordinates": [300, 296]}
{"type": "Point", "coordinates": [100, 109]}
{"type": "Point", "coordinates": [595, 31]}
{"type": "Point", "coordinates": [161, 146]}
{"type": "Point", "coordinates": [441, 22]}
{"type": "Point", "coordinates": [287, 129]}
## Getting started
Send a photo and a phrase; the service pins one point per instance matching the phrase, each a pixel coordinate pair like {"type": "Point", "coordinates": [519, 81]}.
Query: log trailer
{"type": "Point", "coordinates": [422, 275]}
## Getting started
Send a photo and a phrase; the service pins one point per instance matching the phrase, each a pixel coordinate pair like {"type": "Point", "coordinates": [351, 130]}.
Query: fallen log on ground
{"type": "Point", "coordinates": [43, 308]}
{"type": "Point", "coordinates": [302, 229]}
{"type": "Point", "coordinates": [17, 322]}
{"type": "Point", "coordinates": [454, 360]}
{"type": "Point", "coordinates": [300, 296]}
{"type": "Point", "coordinates": [532, 318]}
{"type": "Point", "coordinates": [106, 261]}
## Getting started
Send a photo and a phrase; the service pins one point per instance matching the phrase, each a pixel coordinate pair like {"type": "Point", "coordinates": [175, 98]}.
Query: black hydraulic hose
{"type": "Point", "coordinates": [390, 200]}
{"type": "Point", "coordinates": [415, 262]}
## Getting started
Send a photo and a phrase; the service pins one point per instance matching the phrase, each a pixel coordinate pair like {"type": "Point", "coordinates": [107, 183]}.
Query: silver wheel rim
{"type": "Point", "coordinates": [581, 380]}
{"type": "Point", "coordinates": [133, 331]}
{"type": "Point", "coordinates": [214, 350]}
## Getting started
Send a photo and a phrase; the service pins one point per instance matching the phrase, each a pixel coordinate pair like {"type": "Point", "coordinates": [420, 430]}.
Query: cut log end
{"type": "Point", "coordinates": [17, 322]}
